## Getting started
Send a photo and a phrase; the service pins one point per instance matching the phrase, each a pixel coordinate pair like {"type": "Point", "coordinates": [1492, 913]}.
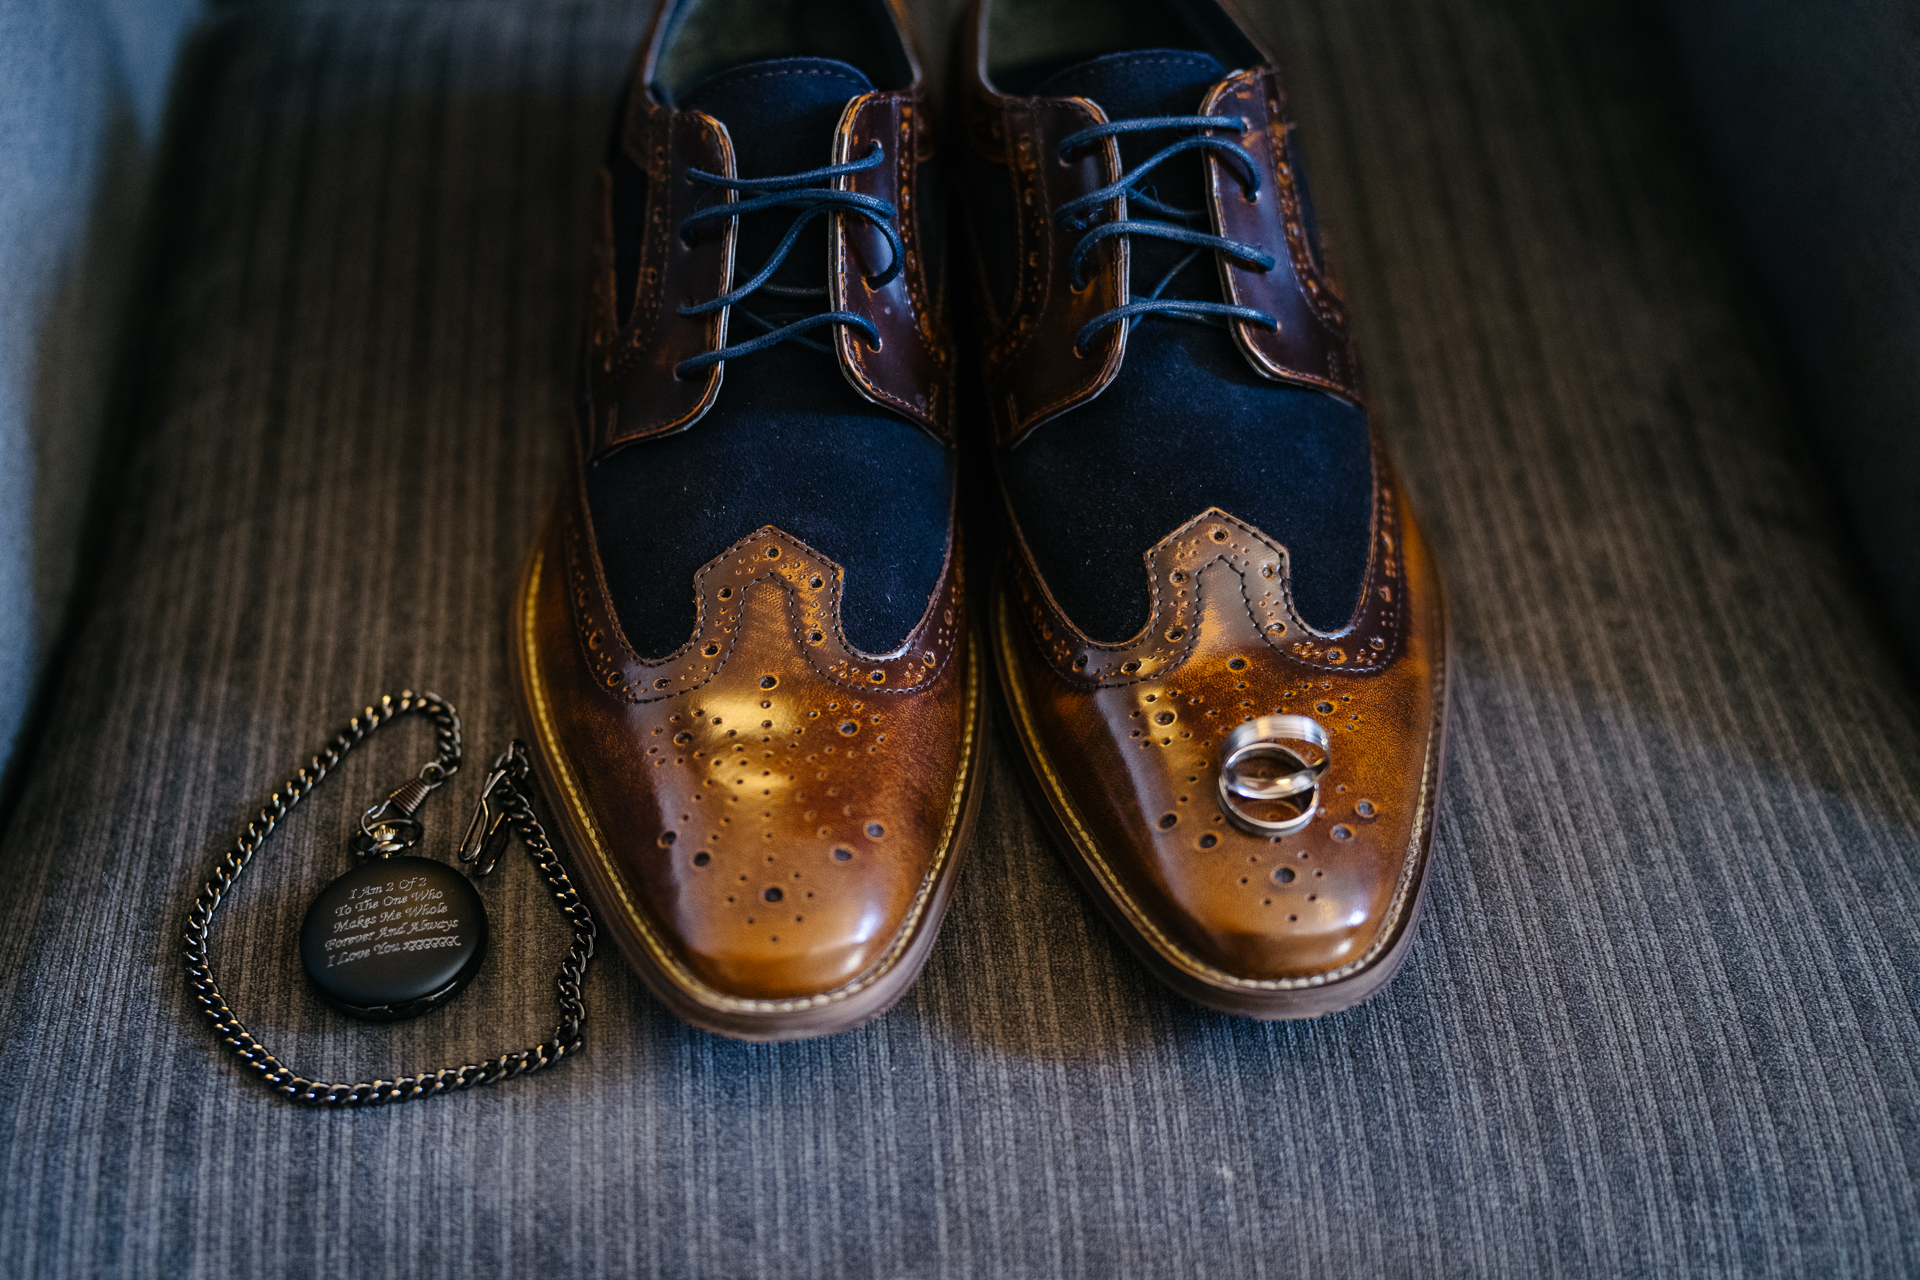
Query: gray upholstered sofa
{"type": "Point", "coordinates": [287, 306]}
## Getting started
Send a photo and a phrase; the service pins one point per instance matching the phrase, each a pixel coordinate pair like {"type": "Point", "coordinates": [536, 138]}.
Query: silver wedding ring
{"type": "Point", "coordinates": [1273, 739]}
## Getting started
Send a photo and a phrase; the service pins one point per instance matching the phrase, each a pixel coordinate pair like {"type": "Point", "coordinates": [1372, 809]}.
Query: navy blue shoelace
{"type": "Point", "coordinates": [1079, 213]}
{"type": "Point", "coordinates": [792, 191]}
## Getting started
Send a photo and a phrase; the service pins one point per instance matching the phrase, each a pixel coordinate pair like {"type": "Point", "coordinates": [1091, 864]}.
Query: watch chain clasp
{"type": "Point", "coordinates": [487, 833]}
{"type": "Point", "coordinates": [389, 827]}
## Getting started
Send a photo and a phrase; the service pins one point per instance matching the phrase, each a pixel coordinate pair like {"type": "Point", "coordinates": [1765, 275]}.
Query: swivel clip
{"type": "Point", "coordinates": [389, 827]}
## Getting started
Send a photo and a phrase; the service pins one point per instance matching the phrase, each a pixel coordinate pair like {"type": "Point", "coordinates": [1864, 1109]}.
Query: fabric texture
{"type": "Point", "coordinates": [1811, 112]}
{"type": "Point", "coordinates": [82, 87]}
{"type": "Point", "coordinates": [1661, 1015]}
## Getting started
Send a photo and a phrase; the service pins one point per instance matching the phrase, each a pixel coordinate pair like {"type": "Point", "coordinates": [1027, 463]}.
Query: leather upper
{"type": "Point", "coordinates": [772, 808]}
{"type": "Point", "coordinates": [912, 372]}
{"type": "Point", "coordinates": [630, 391]}
{"type": "Point", "coordinates": [1127, 737]}
{"type": "Point", "coordinates": [1312, 346]}
{"type": "Point", "coordinates": [1033, 371]}
{"type": "Point", "coordinates": [768, 817]}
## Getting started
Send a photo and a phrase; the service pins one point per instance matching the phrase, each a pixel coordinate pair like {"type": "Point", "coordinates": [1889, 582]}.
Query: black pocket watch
{"type": "Point", "coordinates": [400, 934]}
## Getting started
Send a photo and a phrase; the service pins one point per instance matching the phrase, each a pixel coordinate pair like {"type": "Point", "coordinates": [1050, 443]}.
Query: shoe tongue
{"type": "Point", "coordinates": [781, 115]}
{"type": "Point", "coordinates": [1148, 82]}
{"type": "Point", "coordinates": [1155, 82]}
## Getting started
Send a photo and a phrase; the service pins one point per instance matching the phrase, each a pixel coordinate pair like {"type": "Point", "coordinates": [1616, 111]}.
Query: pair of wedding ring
{"type": "Point", "coordinates": [1273, 740]}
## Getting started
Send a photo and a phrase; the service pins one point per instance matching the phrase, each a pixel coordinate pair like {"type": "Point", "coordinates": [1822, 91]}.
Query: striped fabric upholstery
{"type": "Point", "coordinates": [1662, 1015]}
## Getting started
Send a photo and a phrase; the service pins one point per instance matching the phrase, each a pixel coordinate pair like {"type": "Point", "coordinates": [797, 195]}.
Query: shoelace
{"type": "Point", "coordinates": [792, 191]}
{"type": "Point", "coordinates": [1075, 214]}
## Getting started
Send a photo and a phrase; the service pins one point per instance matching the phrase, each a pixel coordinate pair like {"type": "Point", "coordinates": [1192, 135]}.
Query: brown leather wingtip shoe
{"type": "Point", "coordinates": [741, 640]}
{"type": "Point", "coordinates": [1219, 635]}
{"type": "Point", "coordinates": [768, 822]}
{"type": "Point", "coordinates": [1126, 745]}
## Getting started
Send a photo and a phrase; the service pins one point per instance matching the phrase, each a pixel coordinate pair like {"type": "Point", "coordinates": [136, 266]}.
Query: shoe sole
{"type": "Point", "coordinates": [863, 999]}
{"type": "Point", "coordinates": [1269, 1000]}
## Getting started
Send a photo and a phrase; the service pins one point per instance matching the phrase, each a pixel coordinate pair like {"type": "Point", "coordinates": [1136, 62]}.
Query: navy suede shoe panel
{"type": "Point", "coordinates": [789, 442]}
{"type": "Point", "coordinates": [1141, 82]}
{"type": "Point", "coordinates": [780, 117]}
{"type": "Point", "coordinates": [1182, 429]}
{"type": "Point", "coordinates": [868, 489]}
{"type": "Point", "coordinates": [1187, 424]}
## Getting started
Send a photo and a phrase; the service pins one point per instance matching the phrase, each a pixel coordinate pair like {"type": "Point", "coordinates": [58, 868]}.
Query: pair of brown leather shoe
{"type": "Point", "coordinates": [756, 687]}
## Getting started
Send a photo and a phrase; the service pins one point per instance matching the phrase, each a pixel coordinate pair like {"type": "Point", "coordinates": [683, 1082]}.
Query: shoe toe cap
{"type": "Point", "coordinates": [770, 832]}
{"type": "Point", "coordinates": [1130, 756]}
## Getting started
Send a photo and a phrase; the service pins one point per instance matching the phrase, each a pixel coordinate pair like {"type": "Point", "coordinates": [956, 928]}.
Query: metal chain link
{"type": "Point", "coordinates": [507, 787]}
